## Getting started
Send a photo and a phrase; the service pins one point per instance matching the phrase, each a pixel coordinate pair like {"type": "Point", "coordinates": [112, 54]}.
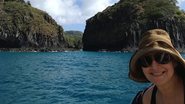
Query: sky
{"type": "Point", "coordinates": [72, 14]}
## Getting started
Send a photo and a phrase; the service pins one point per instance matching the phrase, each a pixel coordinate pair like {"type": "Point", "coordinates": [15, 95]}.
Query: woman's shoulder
{"type": "Point", "coordinates": [147, 95]}
{"type": "Point", "coordinates": [144, 96]}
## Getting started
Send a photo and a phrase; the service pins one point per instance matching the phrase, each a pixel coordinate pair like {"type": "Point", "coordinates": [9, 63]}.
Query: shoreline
{"type": "Point", "coordinates": [181, 51]}
{"type": "Point", "coordinates": [37, 49]}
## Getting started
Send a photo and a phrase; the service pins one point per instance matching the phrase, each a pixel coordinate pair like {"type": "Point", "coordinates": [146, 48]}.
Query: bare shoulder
{"type": "Point", "coordinates": [147, 95]}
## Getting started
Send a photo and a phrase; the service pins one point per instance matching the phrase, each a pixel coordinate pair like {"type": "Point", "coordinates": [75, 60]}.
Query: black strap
{"type": "Point", "coordinates": [184, 90]}
{"type": "Point", "coordinates": [153, 99]}
{"type": "Point", "coordinates": [138, 98]}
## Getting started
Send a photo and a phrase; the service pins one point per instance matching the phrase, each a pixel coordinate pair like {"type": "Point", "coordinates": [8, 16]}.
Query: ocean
{"type": "Point", "coordinates": [75, 77]}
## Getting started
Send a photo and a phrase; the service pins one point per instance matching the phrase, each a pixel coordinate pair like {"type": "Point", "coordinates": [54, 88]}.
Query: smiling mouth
{"type": "Point", "coordinates": [158, 73]}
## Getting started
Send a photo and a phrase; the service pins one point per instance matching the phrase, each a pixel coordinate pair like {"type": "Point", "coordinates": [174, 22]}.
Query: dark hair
{"type": "Point", "coordinates": [180, 71]}
{"type": "Point", "coordinates": [139, 73]}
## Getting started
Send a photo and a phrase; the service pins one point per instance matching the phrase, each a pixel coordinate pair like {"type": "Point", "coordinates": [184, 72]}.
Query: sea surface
{"type": "Point", "coordinates": [66, 78]}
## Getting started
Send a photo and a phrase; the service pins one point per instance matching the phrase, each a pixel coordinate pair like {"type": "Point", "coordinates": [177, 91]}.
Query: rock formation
{"type": "Point", "coordinates": [73, 39]}
{"type": "Point", "coordinates": [22, 26]}
{"type": "Point", "coordinates": [119, 27]}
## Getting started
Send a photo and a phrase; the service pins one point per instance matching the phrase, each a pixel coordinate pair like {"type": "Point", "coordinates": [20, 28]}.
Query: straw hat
{"type": "Point", "coordinates": [152, 40]}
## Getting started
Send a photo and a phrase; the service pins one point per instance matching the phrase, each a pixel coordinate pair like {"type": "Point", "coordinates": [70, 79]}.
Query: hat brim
{"type": "Point", "coordinates": [136, 73]}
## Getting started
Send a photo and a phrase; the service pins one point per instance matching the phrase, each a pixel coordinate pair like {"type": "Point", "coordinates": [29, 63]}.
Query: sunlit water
{"type": "Point", "coordinates": [66, 78]}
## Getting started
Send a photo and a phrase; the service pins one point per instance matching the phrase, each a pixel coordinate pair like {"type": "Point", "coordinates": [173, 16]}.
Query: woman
{"type": "Point", "coordinates": [158, 62]}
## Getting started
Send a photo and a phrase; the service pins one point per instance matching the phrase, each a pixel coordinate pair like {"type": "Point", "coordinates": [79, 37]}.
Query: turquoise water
{"type": "Point", "coordinates": [66, 78]}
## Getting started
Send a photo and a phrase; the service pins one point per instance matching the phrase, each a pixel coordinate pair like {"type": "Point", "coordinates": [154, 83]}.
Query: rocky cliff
{"type": "Point", "coordinates": [73, 39]}
{"type": "Point", "coordinates": [22, 26]}
{"type": "Point", "coordinates": [119, 27]}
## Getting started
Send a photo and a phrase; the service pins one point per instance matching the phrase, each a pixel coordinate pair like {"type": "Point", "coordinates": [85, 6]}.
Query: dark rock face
{"type": "Point", "coordinates": [20, 39]}
{"type": "Point", "coordinates": [120, 27]}
{"type": "Point", "coordinates": [22, 26]}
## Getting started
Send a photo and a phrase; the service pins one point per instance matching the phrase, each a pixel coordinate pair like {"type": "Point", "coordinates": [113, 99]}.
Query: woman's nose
{"type": "Point", "coordinates": [154, 65]}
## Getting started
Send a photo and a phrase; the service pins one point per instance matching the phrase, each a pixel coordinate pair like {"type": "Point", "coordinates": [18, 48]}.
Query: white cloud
{"type": "Point", "coordinates": [91, 7]}
{"type": "Point", "coordinates": [63, 11]}
{"type": "Point", "coordinates": [71, 11]}
{"type": "Point", "coordinates": [181, 3]}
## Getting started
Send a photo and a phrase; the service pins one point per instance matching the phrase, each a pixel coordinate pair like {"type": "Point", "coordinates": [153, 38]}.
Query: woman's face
{"type": "Point", "coordinates": [158, 72]}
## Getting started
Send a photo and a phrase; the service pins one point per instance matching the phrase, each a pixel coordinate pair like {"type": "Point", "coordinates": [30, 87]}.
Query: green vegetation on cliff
{"type": "Point", "coordinates": [140, 10]}
{"type": "Point", "coordinates": [73, 39]}
{"type": "Point", "coordinates": [23, 17]}
{"type": "Point", "coordinates": [120, 26]}
{"type": "Point", "coordinates": [24, 26]}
